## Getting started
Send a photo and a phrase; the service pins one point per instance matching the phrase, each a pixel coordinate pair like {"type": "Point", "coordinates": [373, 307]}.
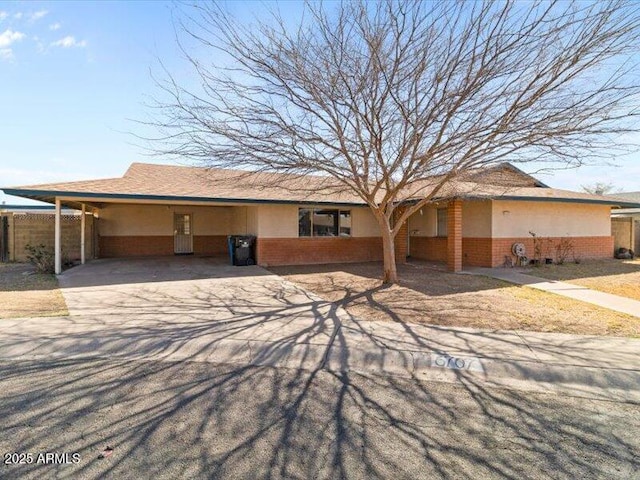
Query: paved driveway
{"type": "Point", "coordinates": [180, 308]}
{"type": "Point", "coordinates": [200, 309]}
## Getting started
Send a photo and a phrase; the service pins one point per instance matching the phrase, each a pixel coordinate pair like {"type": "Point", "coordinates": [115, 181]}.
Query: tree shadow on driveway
{"type": "Point", "coordinates": [157, 394]}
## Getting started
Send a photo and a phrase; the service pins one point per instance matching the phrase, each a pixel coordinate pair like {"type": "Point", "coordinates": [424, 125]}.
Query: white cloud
{"type": "Point", "coordinates": [6, 54]}
{"type": "Point", "coordinates": [3, 15]}
{"type": "Point", "coordinates": [54, 26]}
{"type": "Point", "coordinates": [68, 42]}
{"type": "Point", "coordinates": [9, 36]}
{"type": "Point", "coordinates": [37, 15]}
{"type": "Point", "coordinates": [17, 16]}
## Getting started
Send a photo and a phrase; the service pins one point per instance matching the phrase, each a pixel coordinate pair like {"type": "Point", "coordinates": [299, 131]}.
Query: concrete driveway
{"type": "Point", "coordinates": [179, 308]}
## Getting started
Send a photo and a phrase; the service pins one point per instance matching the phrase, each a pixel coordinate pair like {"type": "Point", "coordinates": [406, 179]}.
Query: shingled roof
{"type": "Point", "coordinates": [168, 183]}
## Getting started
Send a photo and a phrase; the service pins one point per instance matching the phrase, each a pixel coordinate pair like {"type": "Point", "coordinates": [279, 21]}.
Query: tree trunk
{"type": "Point", "coordinates": [389, 257]}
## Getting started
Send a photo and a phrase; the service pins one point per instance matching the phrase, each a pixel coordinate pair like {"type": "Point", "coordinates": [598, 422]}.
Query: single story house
{"type": "Point", "coordinates": [166, 210]}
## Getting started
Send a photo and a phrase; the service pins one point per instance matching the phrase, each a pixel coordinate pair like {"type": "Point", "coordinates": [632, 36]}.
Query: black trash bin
{"type": "Point", "coordinates": [242, 249]}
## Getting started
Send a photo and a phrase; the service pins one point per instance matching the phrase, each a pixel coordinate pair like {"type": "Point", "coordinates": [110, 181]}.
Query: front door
{"type": "Point", "coordinates": [182, 234]}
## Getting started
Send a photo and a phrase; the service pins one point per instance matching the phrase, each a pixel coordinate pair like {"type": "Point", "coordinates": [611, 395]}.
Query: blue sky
{"type": "Point", "coordinates": [74, 74]}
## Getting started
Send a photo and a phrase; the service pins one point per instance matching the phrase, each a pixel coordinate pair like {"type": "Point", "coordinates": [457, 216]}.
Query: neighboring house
{"type": "Point", "coordinates": [165, 210]}
{"type": "Point", "coordinates": [625, 223]}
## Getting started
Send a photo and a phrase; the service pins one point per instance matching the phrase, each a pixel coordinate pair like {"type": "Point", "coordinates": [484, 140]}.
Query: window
{"type": "Point", "coordinates": [304, 222]}
{"type": "Point", "coordinates": [324, 222]}
{"type": "Point", "coordinates": [442, 223]}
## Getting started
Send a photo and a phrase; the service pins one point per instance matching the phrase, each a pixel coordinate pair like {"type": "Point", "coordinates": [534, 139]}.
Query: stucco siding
{"type": "Point", "coordinates": [476, 219]}
{"type": "Point", "coordinates": [238, 221]}
{"type": "Point", "coordinates": [423, 225]}
{"type": "Point", "coordinates": [512, 219]}
{"type": "Point", "coordinates": [363, 223]}
{"type": "Point", "coordinates": [151, 220]}
{"type": "Point", "coordinates": [277, 221]}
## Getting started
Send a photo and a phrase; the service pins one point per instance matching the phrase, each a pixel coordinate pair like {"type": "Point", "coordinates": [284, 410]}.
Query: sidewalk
{"type": "Point", "coordinates": [601, 299]}
{"type": "Point", "coordinates": [598, 367]}
{"type": "Point", "coordinates": [595, 367]}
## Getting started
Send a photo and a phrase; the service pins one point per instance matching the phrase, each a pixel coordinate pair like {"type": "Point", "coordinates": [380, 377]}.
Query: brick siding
{"type": "Point", "coordinates": [401, 240]}
{"type": "Point", "coordinates": [491, 252]}
{"type": "Point", "coordinates": [454, 236]}
{"type": "Point", "coordinates": [301, 251]}
{"type": "Point", "coordinates": [476, 252]}
{"type": "Point", "coordinates": [210, 244]}
{"type": "Point", "coordinates": [135, 246]}
{"type": "Point", "coordinates": [584, 247]}
{"type": "Point", "coordinates": [433, 249]}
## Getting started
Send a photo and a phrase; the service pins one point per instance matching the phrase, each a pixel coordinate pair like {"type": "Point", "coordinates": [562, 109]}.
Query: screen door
{"type": "Point", "coordinates": [182, 233]}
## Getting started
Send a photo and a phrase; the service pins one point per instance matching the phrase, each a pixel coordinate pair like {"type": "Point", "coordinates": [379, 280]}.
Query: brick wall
{"type": "Point", "coordinates": [433, 249]}
{"type": "Point", "coordinates": [301, 251]}
{"type": "Point", "coordinates": [491, 252]}
{"type": "Point", "coordinates": [454, 236]}
{"type": "Point", "coordinates": [135, 246]}
{"type": "Point", "coordinates": [38, 228]}
{"type": "Point", "coordinates": [401, 239]}
{"type": "Point", "coordinates": [476, 251]}
{"type": "Point", "coordinates": [210, 244]}
{"type": "Point", "coordinates": [584, 247]}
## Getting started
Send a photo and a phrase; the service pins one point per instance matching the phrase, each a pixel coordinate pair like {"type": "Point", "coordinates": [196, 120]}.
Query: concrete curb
{"type": "Point", "coordinates": [599, 383]}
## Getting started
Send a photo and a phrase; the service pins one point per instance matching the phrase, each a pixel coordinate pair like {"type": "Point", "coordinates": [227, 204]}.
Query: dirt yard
{"type": "Point", "coordinates": [619, 277]}
{"type": "Point", "coordinates": [24, 293]}
{"type": "Point", "coordinates": [430, 295]}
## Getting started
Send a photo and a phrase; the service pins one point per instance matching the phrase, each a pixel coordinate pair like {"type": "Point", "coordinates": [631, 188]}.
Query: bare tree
{"type": "Point", "coordinates": [396, 99]}
{"type": "Point", "coordinates": [600, 188]}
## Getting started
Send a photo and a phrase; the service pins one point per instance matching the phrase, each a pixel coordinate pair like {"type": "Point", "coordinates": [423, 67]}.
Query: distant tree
{"type": "Point", "coordinates": [599, 188]}
{"type": "Point", "coordinates": [383, 96]}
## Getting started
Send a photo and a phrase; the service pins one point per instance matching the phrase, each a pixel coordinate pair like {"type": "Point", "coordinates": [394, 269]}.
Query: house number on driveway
{"type": "Point", "coordinates": [457, 363]}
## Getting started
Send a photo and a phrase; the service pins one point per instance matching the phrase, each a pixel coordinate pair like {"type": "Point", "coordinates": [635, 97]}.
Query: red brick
{"type": "Point", "coordinates": [454, 236]}
{"type": "Point", "coordinates": [301, 251]}
{"type": "Point", "coordinates": [433, 249]}
{"type": "Point", "coordinates": [401, 239]}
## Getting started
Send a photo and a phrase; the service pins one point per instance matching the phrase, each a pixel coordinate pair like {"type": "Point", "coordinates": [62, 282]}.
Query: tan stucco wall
{"type": "Point", "coordinates": [425, 224]}
{"type": "Point", "coordinates": [476, 219]}
{"type": "Point", "coordinates": [252, 221]}
{"type": "Point", "coordinates": [126, 219]}
{"type": "Point", "coordinates": [363, 223]}
{"type": "Point", "coordinates": [549, 219]}
{"type": "Point", "coordinates": [277, 221]}
{"type": "Point", "coordinates": [266, 221]}
{"type": "Point", "coordinates": [238, 221]}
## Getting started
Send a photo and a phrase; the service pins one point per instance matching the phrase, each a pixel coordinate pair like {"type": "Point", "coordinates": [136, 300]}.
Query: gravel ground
{"type": "Point", "coordinates": [430, 295]}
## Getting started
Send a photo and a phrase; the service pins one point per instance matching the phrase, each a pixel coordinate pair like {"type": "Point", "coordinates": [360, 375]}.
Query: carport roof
{"type": "Point", "coordinates": [169, 183]}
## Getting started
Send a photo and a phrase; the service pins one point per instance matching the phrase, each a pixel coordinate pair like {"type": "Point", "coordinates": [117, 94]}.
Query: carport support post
{"type": "Point", "coordinates": [82, 230]}
{"type": "Point", "coordinates": [57, 252]}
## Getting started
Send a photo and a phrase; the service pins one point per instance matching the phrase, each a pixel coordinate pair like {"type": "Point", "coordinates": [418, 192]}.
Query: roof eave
{"type": "Point", "coordinates": [48, 196]}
